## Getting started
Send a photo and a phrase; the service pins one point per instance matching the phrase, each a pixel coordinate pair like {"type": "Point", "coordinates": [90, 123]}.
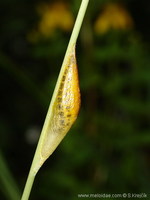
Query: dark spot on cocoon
{"type": "Point", "coordinates": [59, 99]}
{"type": "Point", "coordinates": [62, 122]}
{"type": "Point", "coordinates": [67, 107]}
{"type": "Point", "coordinates": [61, 114]}
{"type": "Point", "coordinates": [60, 93]}
{"type": "Point", "coordinates": [63, 78]}
{"type": "Point", "coordinates": [66, 71]}
{"type": "Point", "coordinates": [68, 124]}
{"type": "Point", "coordinates": [60, 107]}
{"type": "Point", "coordinates": [61, 86]}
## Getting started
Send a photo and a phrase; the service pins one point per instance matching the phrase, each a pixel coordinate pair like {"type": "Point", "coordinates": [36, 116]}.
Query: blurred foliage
{"type": "Point", "coordinates": [107, 150]}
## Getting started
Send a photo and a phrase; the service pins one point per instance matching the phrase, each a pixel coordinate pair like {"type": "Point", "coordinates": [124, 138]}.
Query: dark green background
{"type": "Point", "coordinates": [107, 150]}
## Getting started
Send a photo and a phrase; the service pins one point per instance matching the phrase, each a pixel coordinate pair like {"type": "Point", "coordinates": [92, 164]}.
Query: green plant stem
{"type": "Point", "coordinates": [8, 183]}
{"type": "Point", "coordinates": [37, 162]}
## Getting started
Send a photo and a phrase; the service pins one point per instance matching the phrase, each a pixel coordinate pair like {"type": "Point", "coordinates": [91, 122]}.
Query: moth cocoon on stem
{"type": "Point", "coordinates": [65, 107]}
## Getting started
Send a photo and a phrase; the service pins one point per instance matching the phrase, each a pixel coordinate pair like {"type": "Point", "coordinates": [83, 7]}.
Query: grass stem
{"type": "Point", "coordinates": [37, 161]}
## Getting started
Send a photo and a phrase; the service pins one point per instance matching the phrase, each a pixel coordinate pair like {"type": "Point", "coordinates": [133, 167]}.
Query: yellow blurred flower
{"type": "Point", "coordinates": [53, 16]}
{"type": "Point", "coordinates": [114, 16]}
